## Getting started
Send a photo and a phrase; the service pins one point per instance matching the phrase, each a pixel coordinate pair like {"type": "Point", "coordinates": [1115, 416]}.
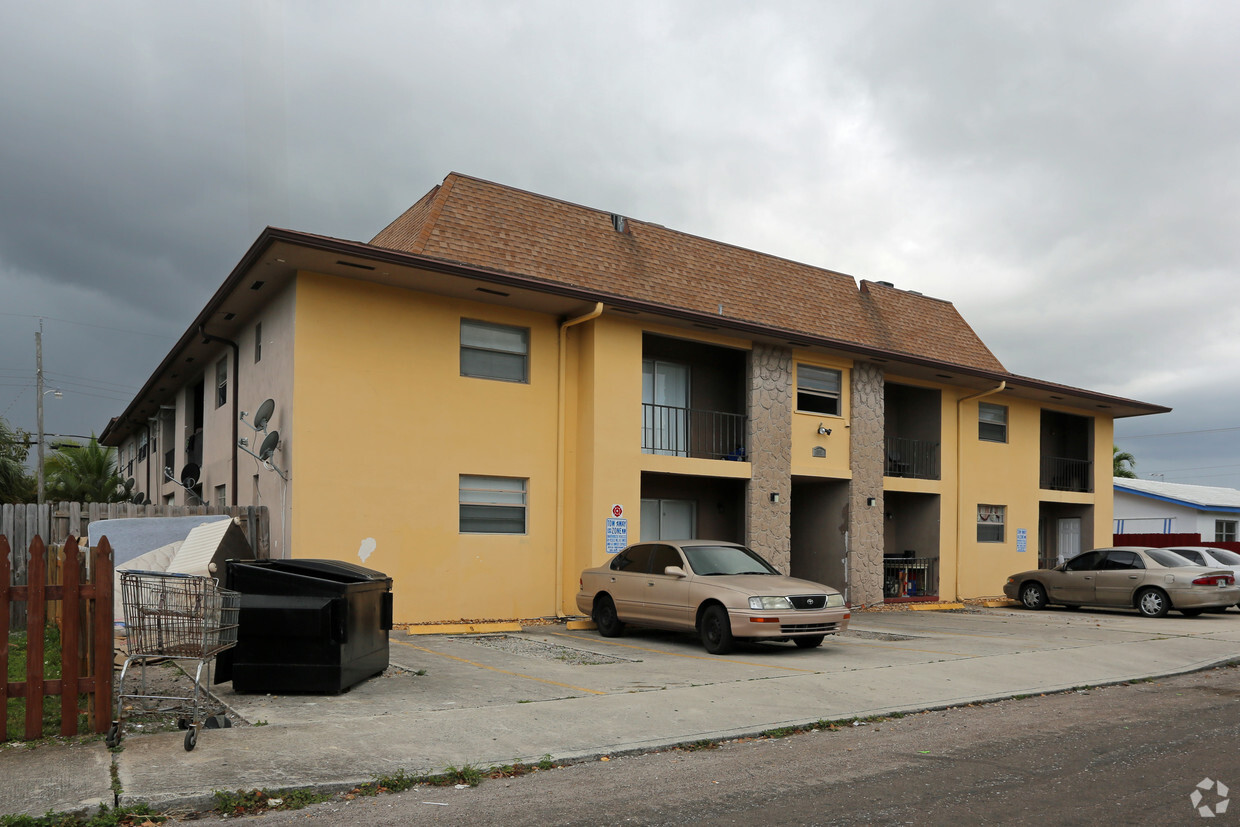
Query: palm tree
{"type": "Point", "coordinates": [84, 474]}
{"type": "Point", "coordinates": [16, 486]}
{"type": "Point", "coordinates": [1124, 463]}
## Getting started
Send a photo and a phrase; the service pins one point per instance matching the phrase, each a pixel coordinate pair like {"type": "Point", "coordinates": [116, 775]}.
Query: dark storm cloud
{"type": "Point", "coordinates": [1062, 172]}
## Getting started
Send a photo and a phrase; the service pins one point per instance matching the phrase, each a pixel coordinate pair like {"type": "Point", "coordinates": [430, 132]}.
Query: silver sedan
{"type": "Point", "coordinates": [1151, 580]}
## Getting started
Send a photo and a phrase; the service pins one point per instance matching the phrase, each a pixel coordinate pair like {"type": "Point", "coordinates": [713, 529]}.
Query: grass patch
{"type": "Point", "coordinates": [130, 816]}
{"type": "Point", "coordinates": [15, 713]}
{"type": "Point", "coordinates": [243, 802]}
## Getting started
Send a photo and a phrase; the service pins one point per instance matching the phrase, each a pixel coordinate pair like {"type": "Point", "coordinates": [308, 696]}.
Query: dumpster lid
{"type": "Point", "coordinates": [337, 570]}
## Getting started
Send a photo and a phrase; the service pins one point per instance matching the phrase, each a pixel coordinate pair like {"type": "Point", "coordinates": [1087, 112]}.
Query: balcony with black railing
{"type": "Point", "coordinates": [1066, 474]}
{"type": "Point", "coordinates": [911, 458]}
{"type": "Point", "coordinates": [689, 432]}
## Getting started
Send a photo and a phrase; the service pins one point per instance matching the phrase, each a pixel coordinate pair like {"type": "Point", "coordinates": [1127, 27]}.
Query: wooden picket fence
{"type": "Point", "coordinates": [79, 600]}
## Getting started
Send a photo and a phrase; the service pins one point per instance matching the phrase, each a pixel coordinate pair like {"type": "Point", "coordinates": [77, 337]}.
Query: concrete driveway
{"type": "Point", "coordinates": [548, 690]}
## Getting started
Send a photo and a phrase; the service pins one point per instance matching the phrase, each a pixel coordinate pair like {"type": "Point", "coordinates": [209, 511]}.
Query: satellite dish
{"type": "Point", "coordinates": [137, 498]}
{"type": "Point", "coordinates": [189, 475]}
{"type": "Point", "coordinates": [269, 446]}
{"type": "Point", "coordinates": [129, 484]}
{"type": "Point", "coordinates": [263, 416]}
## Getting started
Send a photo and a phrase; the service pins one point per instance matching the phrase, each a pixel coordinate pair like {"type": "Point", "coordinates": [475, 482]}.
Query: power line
{"type": "Point", "coordinates": [96, 326]}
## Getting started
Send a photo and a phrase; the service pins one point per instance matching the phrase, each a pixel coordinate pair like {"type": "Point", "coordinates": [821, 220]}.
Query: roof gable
{"type": "Point", "coordinates": [486, 225]}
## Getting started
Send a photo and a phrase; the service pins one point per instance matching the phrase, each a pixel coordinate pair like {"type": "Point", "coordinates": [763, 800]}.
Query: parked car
{"type": "Point", "coordinates": [1213, 557]}
{"type": "Point", "coordinates": [1151, 580]}
{"type": "Point", "coordinates": [721, 591]}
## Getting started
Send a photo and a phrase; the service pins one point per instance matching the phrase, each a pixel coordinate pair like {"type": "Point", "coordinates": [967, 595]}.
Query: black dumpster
{"type": "Point", "coordinates": [306, 625]}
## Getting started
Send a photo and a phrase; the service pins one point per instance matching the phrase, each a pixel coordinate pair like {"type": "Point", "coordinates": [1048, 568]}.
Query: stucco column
{"type": "Point", "coordinates": [768, 524]}
{"type": "Point", "coordinates": [865, 521]}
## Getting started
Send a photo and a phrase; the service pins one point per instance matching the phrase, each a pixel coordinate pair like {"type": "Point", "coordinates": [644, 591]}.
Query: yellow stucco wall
{"type": "Point", "coordinates": [805, 436]}
{"type": "Point", "coordinates": [377, 383]}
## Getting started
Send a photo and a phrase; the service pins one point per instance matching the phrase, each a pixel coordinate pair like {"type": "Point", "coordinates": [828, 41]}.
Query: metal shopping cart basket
{"type": "Point", "coordinates": [171, 616]}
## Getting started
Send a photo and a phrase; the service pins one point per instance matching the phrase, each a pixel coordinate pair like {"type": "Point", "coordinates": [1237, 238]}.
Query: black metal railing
{"type": "Point", "coordinates": [688, 432]}
{"type": "Point", "coordinates": [915, 458]}
{"type": "Point", "coordinates": [910, 577]}
{"type": "Point", "coordinates": [1064, 474]}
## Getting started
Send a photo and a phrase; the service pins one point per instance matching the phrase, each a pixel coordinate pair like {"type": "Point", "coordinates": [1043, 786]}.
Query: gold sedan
{"type": "Point", "coordinates": [721, 591]}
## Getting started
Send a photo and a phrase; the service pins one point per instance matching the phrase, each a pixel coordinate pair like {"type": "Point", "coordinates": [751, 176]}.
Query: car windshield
{"type": "Point", "coordinates": [712, 560]}
{"type": "Point", "coordinates": [1227, 558]}
{"type": "Point", "coordinates": [1168, 558]}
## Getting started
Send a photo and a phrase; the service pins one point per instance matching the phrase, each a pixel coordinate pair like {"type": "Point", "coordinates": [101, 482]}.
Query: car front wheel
{"type": "Point", "coordinates": [1033, 596]}
{"type": "Point", "coordinates": [716, 631]}
{"type": "Point", "coordinates": [1153, 603]}
{"type": "Point", "coordinates": [605, 618]}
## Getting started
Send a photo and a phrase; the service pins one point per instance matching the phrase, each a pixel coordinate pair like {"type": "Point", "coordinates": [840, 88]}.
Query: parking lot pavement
{"type": "Point", "coordinates": [550, 663]}
{"type": "Point", "coordinates": [487, 700]}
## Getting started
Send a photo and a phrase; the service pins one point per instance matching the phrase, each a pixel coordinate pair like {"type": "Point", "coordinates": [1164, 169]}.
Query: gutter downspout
{"type": "Point", "coordinates": [560, 454]}
{"type": "Point", "coordinates": [236, 398]}
{"type": "Point", "coordinates": [959, 466]}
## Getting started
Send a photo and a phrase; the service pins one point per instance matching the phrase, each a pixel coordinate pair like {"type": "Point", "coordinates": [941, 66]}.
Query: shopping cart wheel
{"type": "Point", "coordinates": [182, 723]}
{"type": "Point", "coordinates": [191, 739]}
{"type": "Point", "coordinates": [113, 738]}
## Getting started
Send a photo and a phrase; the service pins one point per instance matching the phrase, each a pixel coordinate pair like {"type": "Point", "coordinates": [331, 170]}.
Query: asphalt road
{"type": "Point", "coordinates": [1131, 754]}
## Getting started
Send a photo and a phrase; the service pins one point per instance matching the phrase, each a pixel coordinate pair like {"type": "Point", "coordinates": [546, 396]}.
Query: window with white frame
{"type": "Point", "coordinates": [221, 496]}
{"type": "Point", "coordinates": [990, 520]}
{"type": "Point", "coordinates": [992, 422]}
{"type": "Point", "coordinates": [818, 390]}
{"type": "Point", "coordinates": [1225, 531]}
{"type": "Point", "coordinates": [494, 351]}
{"type": "Point", "coordinates": [221, 382]}
{"type": "Point", "coordinates": [492, 505]}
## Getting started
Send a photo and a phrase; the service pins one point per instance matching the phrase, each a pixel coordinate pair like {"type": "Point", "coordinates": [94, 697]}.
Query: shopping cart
{"type": "Point", "coordinates": [177, 617]}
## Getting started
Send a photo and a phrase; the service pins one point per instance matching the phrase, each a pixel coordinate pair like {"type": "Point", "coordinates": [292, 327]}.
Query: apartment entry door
{"type": "Point", "coordinates": [1069, 544]}
{"type": "Point", "coordinates": [668, 520]}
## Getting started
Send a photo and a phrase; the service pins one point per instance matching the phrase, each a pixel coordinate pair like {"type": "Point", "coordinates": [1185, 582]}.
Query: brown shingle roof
{"type": "Point", "coordinates": [489, 226]}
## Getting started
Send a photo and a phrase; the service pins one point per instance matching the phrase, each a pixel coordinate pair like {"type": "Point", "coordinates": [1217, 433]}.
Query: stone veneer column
{"type": "Point", "coordinates": [865, 522]}
{"type": "Point", "coordinates": [768, 525]}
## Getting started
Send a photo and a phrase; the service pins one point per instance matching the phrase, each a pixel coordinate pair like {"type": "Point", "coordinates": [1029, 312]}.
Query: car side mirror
{"type": "Point", "coordinates": [675, 571]}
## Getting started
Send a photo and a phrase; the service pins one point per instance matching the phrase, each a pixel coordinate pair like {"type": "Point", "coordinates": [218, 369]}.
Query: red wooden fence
{"type": "Point", "coordinates": [86, 636]}
{"type": "Point", "coordinates": [1168, 540]}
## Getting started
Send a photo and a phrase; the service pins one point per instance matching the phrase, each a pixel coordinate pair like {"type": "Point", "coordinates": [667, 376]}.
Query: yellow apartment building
{"type": "Point", "coordinates": [500, 389]}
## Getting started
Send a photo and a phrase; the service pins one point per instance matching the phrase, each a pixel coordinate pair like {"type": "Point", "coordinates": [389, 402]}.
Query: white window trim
{"type": "Point", "coordinates": [477, 491]}
{"type": "Point", "coordinates": [989, 515]}
{"type": "Point", "coordinates": [524, 353]}
{"type": "Point", "coordinates": [981, 406]}
{"type": "Point", "coordinates": [837, 397]}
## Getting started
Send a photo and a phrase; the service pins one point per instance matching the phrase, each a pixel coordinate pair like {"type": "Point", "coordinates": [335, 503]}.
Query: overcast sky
{"type": "Point", "coordinates": [1066, 173]}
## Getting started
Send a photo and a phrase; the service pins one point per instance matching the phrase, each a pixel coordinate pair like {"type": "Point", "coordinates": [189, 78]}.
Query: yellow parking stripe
{"type": "Point", "coordinates": [501, 671]}
{"type": "Point", "coordinates": [711, 658]}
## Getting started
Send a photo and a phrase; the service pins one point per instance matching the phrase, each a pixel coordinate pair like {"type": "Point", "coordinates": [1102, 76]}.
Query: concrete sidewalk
{"type": "Point", "coordinates": [493, 700]}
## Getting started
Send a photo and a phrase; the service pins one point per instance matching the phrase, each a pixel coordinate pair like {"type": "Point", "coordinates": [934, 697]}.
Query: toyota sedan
{"type": "Point", "coordinates": [721, 591]}
{"type": "Point", "coordinates": [1151, 580]}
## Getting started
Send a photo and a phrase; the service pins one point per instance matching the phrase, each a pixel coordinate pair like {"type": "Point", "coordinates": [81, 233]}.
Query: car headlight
{"type": "Point", "coordinates": [770, 603]}
{"type": "Point", "coordinates": [835, 601]}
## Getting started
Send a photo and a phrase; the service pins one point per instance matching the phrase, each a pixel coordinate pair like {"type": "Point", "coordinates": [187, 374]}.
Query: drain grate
{"type": "Point", "coordinates": [544, 651]}
{"type": "Point", "coordinates": [877, 635]}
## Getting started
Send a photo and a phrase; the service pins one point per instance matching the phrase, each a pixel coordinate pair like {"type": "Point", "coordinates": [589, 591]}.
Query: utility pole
{"type": "Point", "coordinates": [38, 378]}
